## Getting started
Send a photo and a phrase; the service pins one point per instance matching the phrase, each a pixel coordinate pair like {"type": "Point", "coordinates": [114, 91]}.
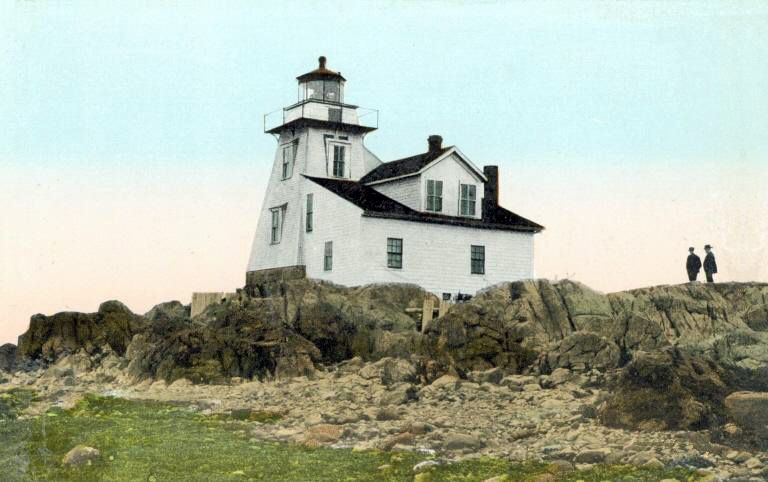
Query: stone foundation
{"type": "Point", "coordinates": [201, 301]}
{"type": "Point", "coordinates": [266, 282]}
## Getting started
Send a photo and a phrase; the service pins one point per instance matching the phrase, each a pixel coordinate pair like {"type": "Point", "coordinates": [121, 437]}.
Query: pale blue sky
{"type": "Point", "coordinates": [133, 163]}
{"type": "Point", "coordinates": [571, 81]}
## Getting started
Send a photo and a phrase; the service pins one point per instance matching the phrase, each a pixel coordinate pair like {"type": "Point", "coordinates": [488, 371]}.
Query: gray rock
{"type": "Point", "coordinates": [592, 456]}
{"type": "Point", "coordinates": [458, 441]}
{"type": "Point", "coordinates": [80, 454]}
{"type": "Point", "coordinates": [7, 357]}
{"type": "Point", "coordinates": [425, 465]}
{"type": "Point", "coordinates": [493, 375]}
{"type": "Point", "coordinates": [399, 395]}
{"type": "Point", "coordinates": [749, 410]}
{"type": "Point", "coordinates": [387, 413]}
{"type": "Point", "coordinates": [390, 371]}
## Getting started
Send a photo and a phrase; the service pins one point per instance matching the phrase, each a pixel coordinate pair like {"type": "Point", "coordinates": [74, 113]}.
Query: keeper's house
{"type": "Point", "coordinates": [334, 211]}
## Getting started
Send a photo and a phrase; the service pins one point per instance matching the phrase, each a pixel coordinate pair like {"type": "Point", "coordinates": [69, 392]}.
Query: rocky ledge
{"type": "Point", "coordinates": [534, 370]}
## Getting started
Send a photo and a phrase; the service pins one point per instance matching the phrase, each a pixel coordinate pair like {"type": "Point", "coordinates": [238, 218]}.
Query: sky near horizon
{"type": "Point", "coordinates": [133, 163]}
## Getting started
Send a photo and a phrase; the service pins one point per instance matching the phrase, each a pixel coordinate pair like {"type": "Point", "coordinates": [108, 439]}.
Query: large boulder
{"type": "Point", "coordinates": [370, 321]}
{"type": "Point", "coordinates": [50, 337]}
{"type": "Point", "coordinates": [666, 390]}
{"type": "Point", "coordinates": [169, 311]}
{"type": "Point", "coordinates": [7, 357]}
{"type": "Point", "coordinates": [749, 410]}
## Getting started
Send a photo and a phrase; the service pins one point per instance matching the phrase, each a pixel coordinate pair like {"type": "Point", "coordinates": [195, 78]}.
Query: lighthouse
{"type": "Point", "coordinates": [334, 211]}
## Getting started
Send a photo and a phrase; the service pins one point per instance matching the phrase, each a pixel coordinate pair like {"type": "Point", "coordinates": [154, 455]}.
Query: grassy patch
{"type": "Point", "coordinates": [14, 401]}
{"type": "Point", "coordinates": [151, 441]}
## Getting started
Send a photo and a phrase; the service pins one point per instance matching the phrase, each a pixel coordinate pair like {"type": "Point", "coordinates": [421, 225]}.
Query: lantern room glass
{"type": "Point", "coordinates": [325, 90]}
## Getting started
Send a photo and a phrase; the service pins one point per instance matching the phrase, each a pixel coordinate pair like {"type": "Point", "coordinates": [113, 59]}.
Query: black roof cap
{"type": "Point", "coordinates": [321, 73]}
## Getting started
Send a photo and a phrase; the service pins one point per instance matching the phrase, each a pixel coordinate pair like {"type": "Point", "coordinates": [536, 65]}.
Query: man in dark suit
{"type": "Point", "coordinates": [692, 265]}
{"type": "Point", "coordinates": [710, 266]}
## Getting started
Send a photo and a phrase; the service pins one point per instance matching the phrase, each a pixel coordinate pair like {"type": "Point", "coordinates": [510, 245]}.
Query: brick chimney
{"type": "Point", "coordinates": [435, 143]}
{"type": "Point", "coordinates": [491, 191]}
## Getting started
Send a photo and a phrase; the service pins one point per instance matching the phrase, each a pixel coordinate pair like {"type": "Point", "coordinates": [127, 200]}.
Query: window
{"type": "Point", "coordinates": [328, 256]}
{"type": "Point", "coordinates": [467, 199]}
{"type": "Point", "coordinates": [310, 211]}
{"type": "Point", "coordinates": [338, 160]}
{"type": "Point", "coordinates": [394, 253]}
{"type": "Point", "coordinates": [478, 259]}
{"type": "Point", "coordinates": [276, 225]}
{"type": "Point", "coordinates": [289, 158]}
{"type": "Point", "coordinates": [434, 196]}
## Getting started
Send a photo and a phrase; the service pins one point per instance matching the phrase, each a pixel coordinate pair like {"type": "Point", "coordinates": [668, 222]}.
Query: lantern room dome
{"type": "Point", "coordinates": [321, 73]}
{"type": "Point", "coordinates": [321, 84]}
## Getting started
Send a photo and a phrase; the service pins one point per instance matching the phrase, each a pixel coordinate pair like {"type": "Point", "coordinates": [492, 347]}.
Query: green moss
{"type": "Point", "coordinates": [155, 441]}
{"type": "Point", "coordinates": [14, 401]}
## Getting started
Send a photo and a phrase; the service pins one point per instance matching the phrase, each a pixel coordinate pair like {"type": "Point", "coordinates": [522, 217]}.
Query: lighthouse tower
{"type": "Point", "coordinates": [319, 136]}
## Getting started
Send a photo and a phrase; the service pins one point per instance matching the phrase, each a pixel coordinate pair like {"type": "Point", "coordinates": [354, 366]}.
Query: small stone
{"type": "Point", "coordinates": [592, 456]}
{"type": "Point", "coordinates": [742, 457]}
{"type": "Point", "coordinates": [446, 381]}
{"type": "Point", "coordinates": [654, 463]}
{"type": "Point", "coordinates": [387, 413]}
{"type": "Point", "coordinates": [753, 463]}
{"type": "Point", "coordinates": [457, 441]}
{"type": "Point", "coordinates": [80, 454]}
{"type": "Point", "coordinates": [425, 465]}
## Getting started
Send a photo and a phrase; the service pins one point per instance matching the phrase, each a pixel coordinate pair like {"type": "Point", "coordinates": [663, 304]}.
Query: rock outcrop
{"type": "Point", "coordinates": [7, 357]}
{"type": "Point", "coordinates": [50, 337]}
{"type": "Point", "coordinates": [673, 353]}
{"type": "Point", "coordinates": [566, 324]}
{"type": "Point", "coordinates": [665, 390]}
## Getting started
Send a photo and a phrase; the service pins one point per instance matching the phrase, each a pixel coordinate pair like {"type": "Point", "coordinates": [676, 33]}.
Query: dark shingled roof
{"type": "Point", "coordinates": [361, 196]}
{"type": "Point", "coordinates": [377, 205]}
{"type": "Point", "coordinates": [403, 167]}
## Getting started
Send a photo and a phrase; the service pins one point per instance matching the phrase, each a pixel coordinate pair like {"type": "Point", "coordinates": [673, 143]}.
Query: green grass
{"type": "Point", "coordinates": [149, 441]}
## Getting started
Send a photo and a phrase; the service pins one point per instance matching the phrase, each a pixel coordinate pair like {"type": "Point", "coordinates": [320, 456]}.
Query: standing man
{"type": "Point", "coordinates": [692, 265]}
{"type": "Point", "coordinates": [710, 266]}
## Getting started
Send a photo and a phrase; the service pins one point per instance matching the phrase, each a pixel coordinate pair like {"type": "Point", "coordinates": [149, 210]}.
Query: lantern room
{"type": "Point", "coordinates": [321, 84]}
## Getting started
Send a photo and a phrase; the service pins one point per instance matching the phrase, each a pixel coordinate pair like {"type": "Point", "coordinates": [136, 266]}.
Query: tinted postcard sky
{"type": "Point", "coordinates": [133, 163]}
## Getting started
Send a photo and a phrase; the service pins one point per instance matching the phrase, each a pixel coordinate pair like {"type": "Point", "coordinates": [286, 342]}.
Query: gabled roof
{"type": "Point", "coordinates": [377, 205]}
{"type": "Point", "coordinates": [403, 167]}
{"type": "Point", "coordinates": [410, 166]}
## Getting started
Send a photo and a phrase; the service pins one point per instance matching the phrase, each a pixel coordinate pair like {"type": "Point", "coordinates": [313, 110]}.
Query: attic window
{"type": "Point", "coordinates": [467, 199]}
{"type": "Point", "coordinates": [434, 196]}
